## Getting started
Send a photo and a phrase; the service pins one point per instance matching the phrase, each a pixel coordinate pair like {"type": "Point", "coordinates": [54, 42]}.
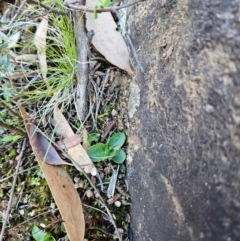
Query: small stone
{"type": "Point", "coordinates": [94, 171]}
{"type": "Point", "coordinates": [89, 193]}
{"type": "Point", "coordinates": [42, 225]}
{"type": "Point", "coordinates": [117, 204]}
{"type": "Point", "coordinates": [76, 179]}
{"type": "Point", "coordinates": [209, 108]}
{"type": "Point", "coordinates": [114, 112]}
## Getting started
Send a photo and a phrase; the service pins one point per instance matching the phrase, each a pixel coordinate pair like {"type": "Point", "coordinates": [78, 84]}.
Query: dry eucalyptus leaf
{"type": "Point", "coordinates": [43, 148]}
{"type": "Point", "coordinates": [40, 43]}
{"type": "Point", "coordinates": [63, 191]}
{"type": "Point", "coordinates": [69, 141]}
{"type": "Point", "coordinates": [107, 40]}
{"type": "Point", "coordinates": [77, 153]}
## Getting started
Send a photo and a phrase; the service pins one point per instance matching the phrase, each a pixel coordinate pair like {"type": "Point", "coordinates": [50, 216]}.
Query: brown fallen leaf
{"type": "Point", "coordinates": [77, 153]}
{"type": "Point", "coordinates": [63, 191]}
{"type": "Point", "coordinates": [43, 147]}
{"type": "Point", "coordinates": [107, 40]}
{"type": "Point", "coordinates": [69, 141]}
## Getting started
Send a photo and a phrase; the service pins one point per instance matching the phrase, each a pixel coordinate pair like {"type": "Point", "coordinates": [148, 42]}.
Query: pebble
{"type": "Point", "coordinates": [89, 193]}
{"type": "Point", "coordinates": [114, 112]}
{"type": "Point", "coordinates": [117, 204]}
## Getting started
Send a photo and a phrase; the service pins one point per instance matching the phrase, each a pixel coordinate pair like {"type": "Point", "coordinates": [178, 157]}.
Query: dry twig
{"type": "Point", "coordinates": [81, 7]}
{"type": "Point", "coordinates": [12, 128]}
{"type": "Point", "coordinates": [17, 13]}
{"type": "Point", "coordinates": [50, 9]}
{"type": "Point", "coordinates": [82, 66]}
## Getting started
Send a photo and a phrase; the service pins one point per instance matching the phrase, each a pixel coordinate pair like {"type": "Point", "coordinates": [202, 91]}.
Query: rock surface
{"type": "Point", "coordinates": [185, 135]}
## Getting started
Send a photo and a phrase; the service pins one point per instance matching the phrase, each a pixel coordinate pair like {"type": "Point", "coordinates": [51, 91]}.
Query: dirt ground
{"type": "Point", "coordinates": [184, 139]}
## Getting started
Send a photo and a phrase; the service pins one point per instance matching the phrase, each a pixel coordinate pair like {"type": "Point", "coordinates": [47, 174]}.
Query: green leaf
{"type": "Point", "coordinates": [119, 157]}
{"type": "Point", "coordinates": [10, 138]}
{"type": "Point", "coordinates": [1, 131]}
{"type": "Point", "coordinates": [63, 229]}
{"type": "Point", "coordinates": [110, 106]}
{"type": "Point", "coordinates": [3, 113]}
{"type": "Point", "coordinates": [107, 3]}
{"type": "Point", "coordinates": [116, 140]}
{"type": "Point", "coordinates": [9, 121]}
{"type": "Point", "coordinates": [3, 46]}
{"type": "Point", "coordinates": [93, 136]}
{"type": "Point", "coordinates": [95, 12]}
{"type": "Point", "coordinates": [40, 235]}
{"type": "Point", "coordinates": [100, 152]}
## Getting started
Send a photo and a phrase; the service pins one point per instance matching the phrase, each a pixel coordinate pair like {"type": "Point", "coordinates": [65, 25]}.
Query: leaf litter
{"type": "Point", "coordinates": [55, 143]}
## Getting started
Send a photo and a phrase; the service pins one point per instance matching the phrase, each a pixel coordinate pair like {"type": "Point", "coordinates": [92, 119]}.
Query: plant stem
{"type": "Point", "coordinates": [10, 110]}
{"type": "Point", "coordinates": [13, 128]}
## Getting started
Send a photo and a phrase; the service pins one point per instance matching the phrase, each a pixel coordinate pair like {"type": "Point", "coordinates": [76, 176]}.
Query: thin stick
{"type": "Point", "coordinates": [134, 52]}
{"type": "Point", "coordinates": [91, 105]}
{"type": "Point", "coordinates": [10, 110]}
{"type": "Point", "coordinates": [40, 214]}
{"type": "Point", "coordinates": [82, 75]}
{"type": "Point", "coordinates": [99, 210]}
{"type": "Point", "coordinates": [12, 191]}
{"type": "Point", "coordinates": [12, 128]}
{"type": "Point", "coordinates": [18, 12]}
{"type": "Point", "coordinates": [101, 93]}
{"type": "Point", "coordinates": [50, 9]}
{"type": "Point", "coordinates": [6, 178]}
{"type": "Point", "coordinates": [81, 7]}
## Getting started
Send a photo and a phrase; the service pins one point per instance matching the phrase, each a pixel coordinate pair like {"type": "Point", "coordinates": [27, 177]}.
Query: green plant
{"type": "Point", "coordinates": [103, 4]}
{"type": "Point", "coordinates": [93, 136]}
{"type": "Point", "coordinates": [6, 67]}
{"type": "Point", "coordinates": [110, 150]}
{"type": "Point", "coordinates": [106, 112]}
{"type": "Point", "coordinates": [40, 235]}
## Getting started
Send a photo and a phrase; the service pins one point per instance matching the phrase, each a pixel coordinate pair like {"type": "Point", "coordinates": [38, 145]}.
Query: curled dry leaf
{"type": "Point", "coordinates": [43, 148]}
{"type": "Point", "coordinates": [77, 153]}
{"type": "Point", "coordinates": [40, 43]}
{"type": "Point", "coordinates": [107, 40]}
{"type": "Point", "coordinates": [69, 141]}
{"type": "Point", "coordinates": [63, 191]}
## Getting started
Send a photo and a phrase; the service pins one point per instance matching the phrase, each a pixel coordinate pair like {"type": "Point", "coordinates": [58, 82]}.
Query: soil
{"type": "Point", "coordinates": [184, 137]}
